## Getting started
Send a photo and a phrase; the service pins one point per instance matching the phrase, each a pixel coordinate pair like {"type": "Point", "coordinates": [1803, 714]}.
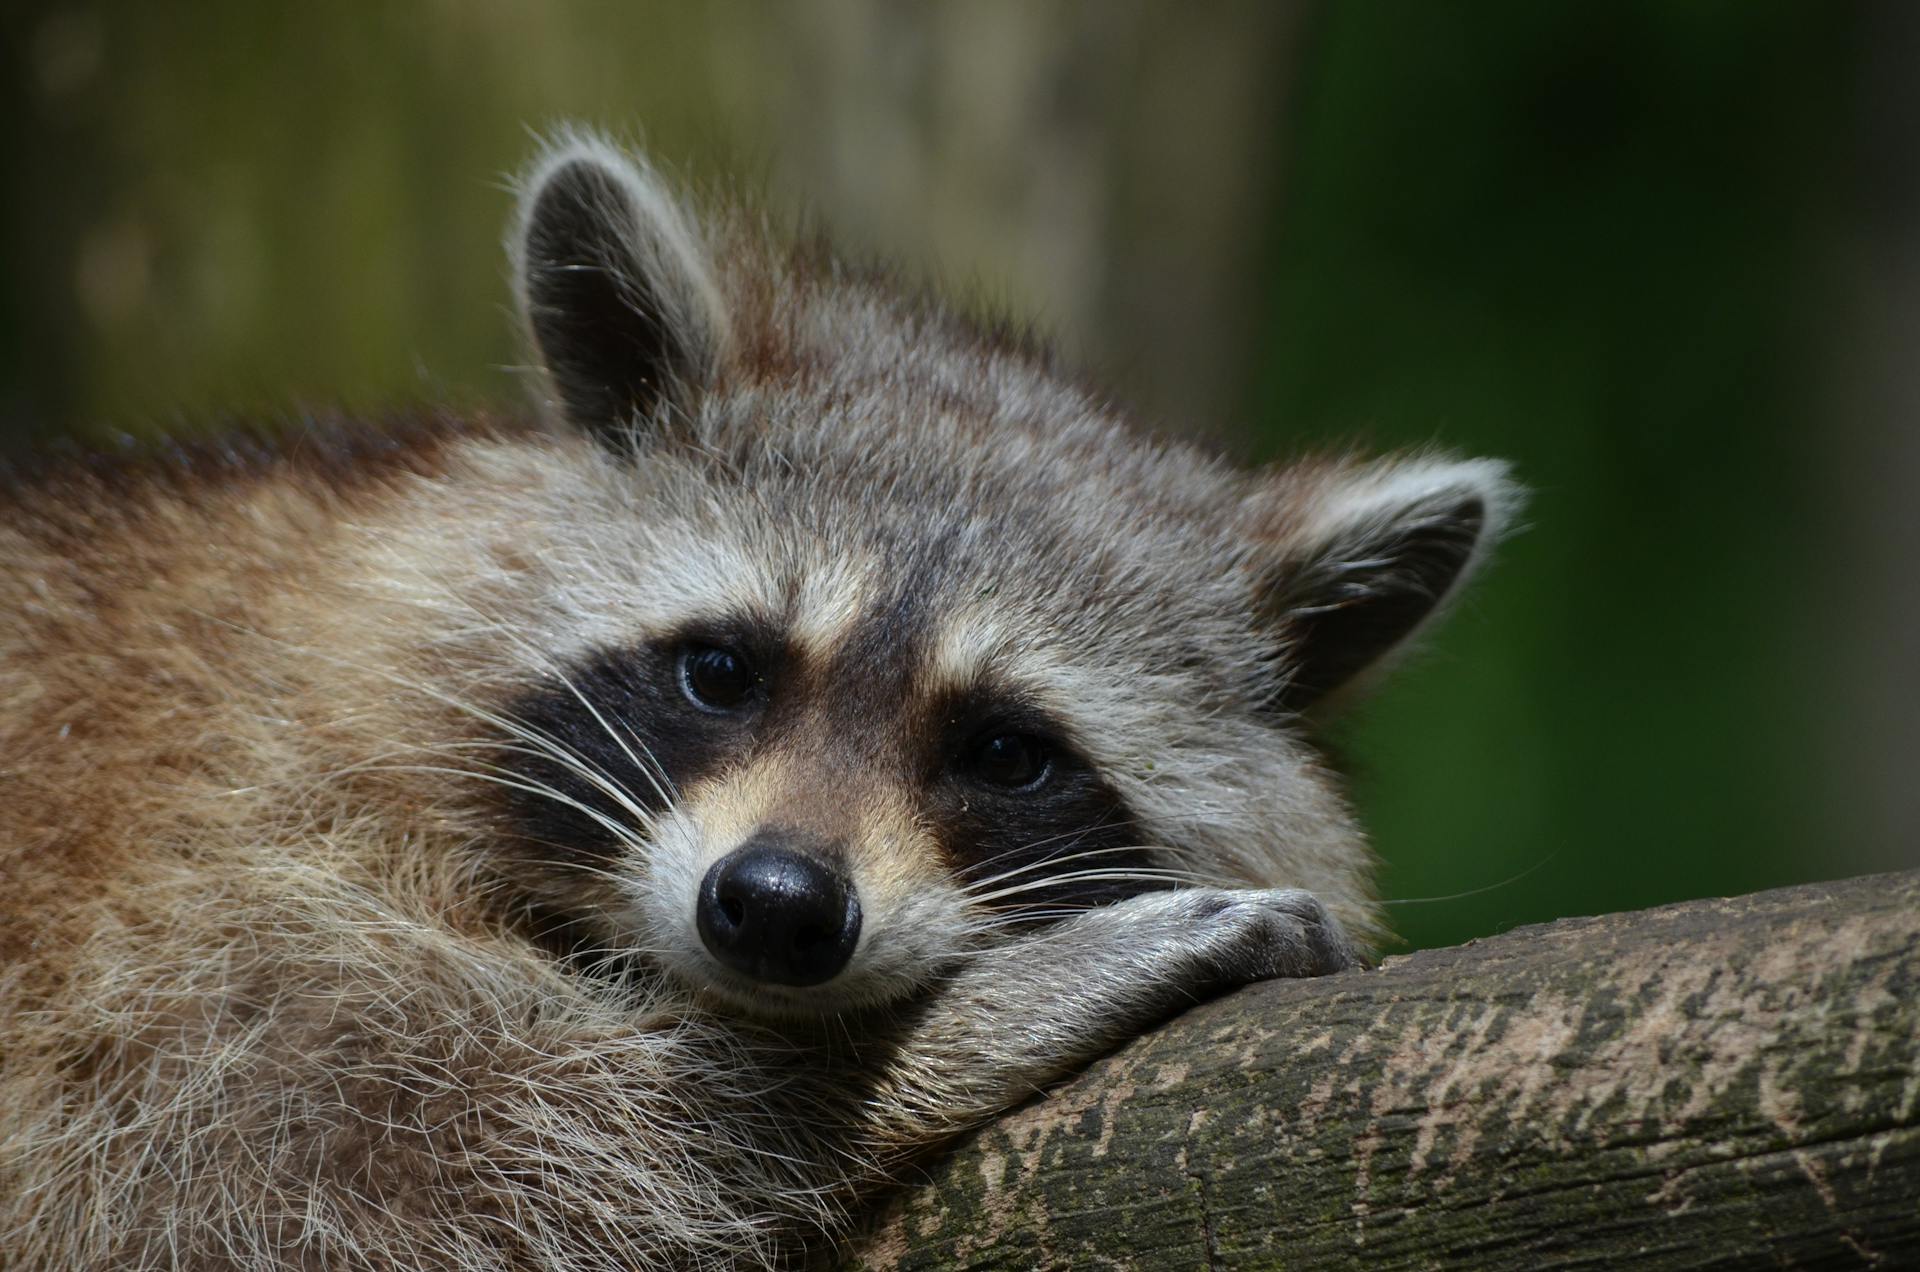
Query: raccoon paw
{"type": "Point", "coordinates": [1251, 935]}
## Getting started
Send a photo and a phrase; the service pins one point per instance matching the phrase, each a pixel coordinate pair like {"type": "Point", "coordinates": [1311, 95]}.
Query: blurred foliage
{"type": "Point", "coordinates": [243, 205]}
{"type": "Point", "coordinates": [1581, 236]}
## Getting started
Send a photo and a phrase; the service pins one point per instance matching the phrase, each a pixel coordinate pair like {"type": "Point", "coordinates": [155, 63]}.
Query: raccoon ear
{"type": "Point", "coordinates": [1360, 557]}
{"type": "Point", "coordinates": [614, 288]}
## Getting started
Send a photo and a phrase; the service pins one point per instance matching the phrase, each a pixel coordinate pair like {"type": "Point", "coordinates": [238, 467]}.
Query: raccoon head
{"type": "Point", "coordinates": [877, 637]}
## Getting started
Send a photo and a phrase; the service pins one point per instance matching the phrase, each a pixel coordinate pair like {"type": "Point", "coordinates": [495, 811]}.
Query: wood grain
{"type": "Point", "coordinates": [1719, 1084]}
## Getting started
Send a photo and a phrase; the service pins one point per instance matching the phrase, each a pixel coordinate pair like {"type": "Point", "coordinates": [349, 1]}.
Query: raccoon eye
{"type": "Point", "coordinates": [716, 679]}
{"type": "Point", "coordinates": [1018, 761]}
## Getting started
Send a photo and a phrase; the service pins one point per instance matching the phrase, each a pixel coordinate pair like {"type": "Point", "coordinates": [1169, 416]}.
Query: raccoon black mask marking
{"type": "Point", "coordinates": [901, 727]}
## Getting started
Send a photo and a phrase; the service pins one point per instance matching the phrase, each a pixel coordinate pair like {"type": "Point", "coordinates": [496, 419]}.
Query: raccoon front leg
{"type": "Point", "coordinates": [1026, 1011]}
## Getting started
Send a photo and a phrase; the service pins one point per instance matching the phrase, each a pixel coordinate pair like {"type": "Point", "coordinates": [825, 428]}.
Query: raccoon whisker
{"type": "Point", "coordinates": [655, 773]}
{"type": "Point", "coordinates": [1031, 845]}
{"type": "Point", "coordinates": [597, 777]}
{"type": "Point", "coordinates": [1060, 907]}
{"type": "Point", "coordinates": [1474, 892]}
{"type": "Point", "coordinates": [606, 785]}
{"type": "Point", "coordinates": [569, 758]}
{"type": "Point", "coordinates": [578, 765]}
{"type": "Point", "coordinates": [483, 770]}
{"type": "Point", "coordinates": [649, 767]}
{"type": "Point", "coordinates": [561, 861]}
{"type": "Point", "coordinates": [1026, 918]}
{"type": "Point", "coordinates": [1049, 860]}
{"type": "Point", "coordinates": [624, 834]}
{"type": "Point", "coordinates": [502, 721]}
{"type": "Point", "coordinates": [542, 746]}
{"type": "Point", "coordinates": [1045, 863]}
{"type": "Point", "coordinates": [1085, 876]}
{"type": "Point", "coordinates": [598, 960]}
{"type": "Point", "coordinates": [1091, 873]}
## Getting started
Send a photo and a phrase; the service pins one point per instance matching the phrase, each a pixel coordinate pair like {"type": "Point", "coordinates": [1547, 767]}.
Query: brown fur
{"type": "Point", "coordinates": [278, 979]}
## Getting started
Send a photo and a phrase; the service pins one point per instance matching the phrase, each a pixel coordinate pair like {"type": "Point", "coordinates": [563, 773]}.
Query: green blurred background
{"type": "Point", "coordinates": [1664, 256]}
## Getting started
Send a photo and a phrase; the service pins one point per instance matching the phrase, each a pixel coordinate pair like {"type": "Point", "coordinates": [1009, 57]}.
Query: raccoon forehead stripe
{"type": "Point", "coordinates": [973, 644]}
{"type": "Point", "coordinates": [828, 605]}
{"type": "Point", "coordinates": [980, 648]}
{"type": "Point", "coordinates": [609, 589]}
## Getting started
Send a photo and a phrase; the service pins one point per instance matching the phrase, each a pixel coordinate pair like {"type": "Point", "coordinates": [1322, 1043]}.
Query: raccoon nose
{"type": "Point", "coordinates": [778, 915]}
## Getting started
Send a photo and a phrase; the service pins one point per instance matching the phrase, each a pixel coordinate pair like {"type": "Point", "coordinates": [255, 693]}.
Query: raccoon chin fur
{"type": "Point", "coordinates": [625, 835]}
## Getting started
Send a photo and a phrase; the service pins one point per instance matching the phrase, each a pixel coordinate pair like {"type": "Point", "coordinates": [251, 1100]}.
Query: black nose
{"type": "Point", "coordinates": [778, 915]}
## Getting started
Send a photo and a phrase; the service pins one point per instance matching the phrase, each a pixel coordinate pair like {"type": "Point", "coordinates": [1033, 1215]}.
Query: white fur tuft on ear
{"type": "Point", "coordinates": [1355, 559]}
{"type": "Point", "coordinates": [614, 285]}
{"type": "Point", "coordinates": [1388, 494]}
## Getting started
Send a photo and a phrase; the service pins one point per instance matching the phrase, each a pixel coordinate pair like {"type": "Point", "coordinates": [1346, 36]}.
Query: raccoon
{"type": "Point", "coordinates": [629, 833]}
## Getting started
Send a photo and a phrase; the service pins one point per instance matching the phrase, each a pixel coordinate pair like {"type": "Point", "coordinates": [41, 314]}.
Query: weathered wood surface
{"type": "Point", "coordinates": [1720, 1084]}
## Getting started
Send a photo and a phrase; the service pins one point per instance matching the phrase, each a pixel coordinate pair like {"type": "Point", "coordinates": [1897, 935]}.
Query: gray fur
{"type": "Point", "coordinates": [293, 946]}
